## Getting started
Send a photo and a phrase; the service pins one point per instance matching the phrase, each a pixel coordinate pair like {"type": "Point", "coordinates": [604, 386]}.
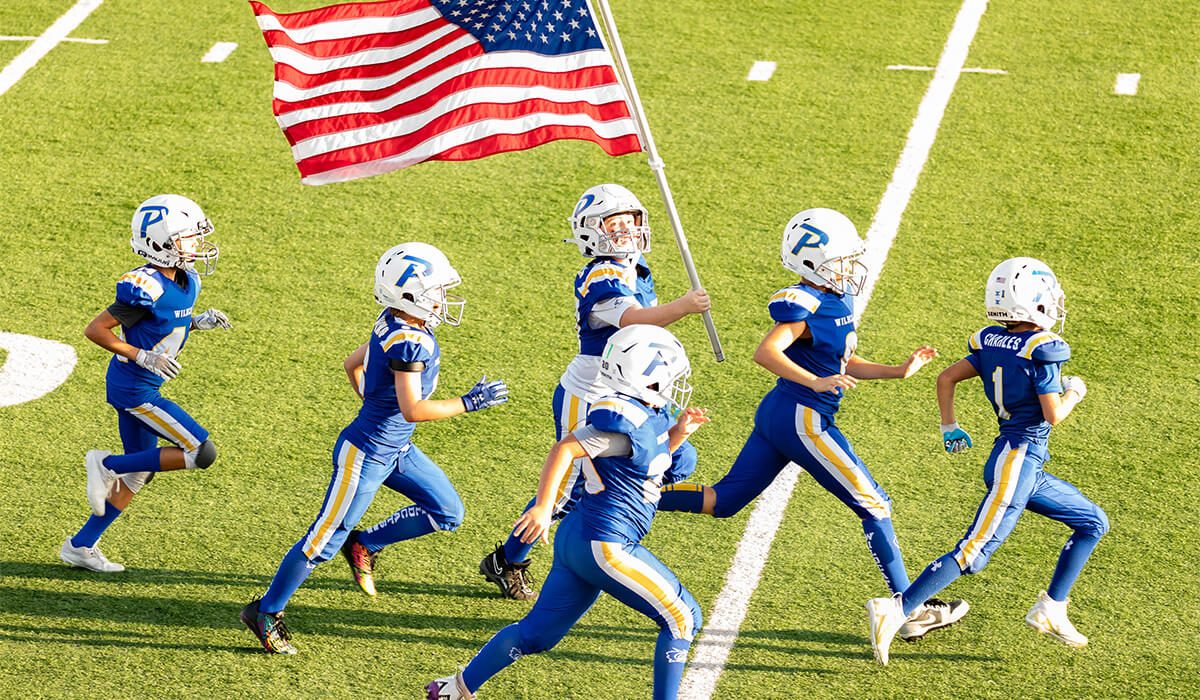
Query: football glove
{"type": "Point", "coordinates": [1076, 385]}
{"type": "Point", "coordinates": [159, 363]}
{"type": "Point", "coordinates": [213, 318]}
{"type": "Point", "coordinates": [485, 394]}
{"type": "Point", "coordinates": [955, 439]}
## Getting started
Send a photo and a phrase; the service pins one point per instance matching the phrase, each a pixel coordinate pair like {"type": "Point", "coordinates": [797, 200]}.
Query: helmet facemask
{"type": "Point", "coordinates": [845, 274]}
{"type": "Point", "coordinates": [194, 247]}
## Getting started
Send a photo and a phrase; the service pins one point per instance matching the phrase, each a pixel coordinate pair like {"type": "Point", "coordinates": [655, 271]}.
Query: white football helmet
{"type": "Point", "coordinates": [170, 230]}
{"type": "Point", "coordinates": [587, 223]}
{"type": "Point", "coordinates": [1025, 289]}
{"type": "Point", "coordinates": [823, 247]}
{"type": "Point", "coordinates": [414, 277]}
{"type": "Point", "coordinates": [648, 363]}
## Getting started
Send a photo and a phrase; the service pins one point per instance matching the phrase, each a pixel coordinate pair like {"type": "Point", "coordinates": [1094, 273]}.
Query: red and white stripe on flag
{"type": "Point", "coordinates": [365, 88]}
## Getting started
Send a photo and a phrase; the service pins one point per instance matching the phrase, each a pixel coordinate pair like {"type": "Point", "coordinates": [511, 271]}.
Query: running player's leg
{"type": "Point", "coordinates": [1062, 501]}
{"type": "Point", "coordinates": [355, 480]}
{"type": "Point", "coordinates": [436, 505]}
{"type": "Point", "coordinates": [815, 442]}
{"type": "Point", "coordinates": [565, 597]}
{"type": "Point", "coordinates": [193, 449]}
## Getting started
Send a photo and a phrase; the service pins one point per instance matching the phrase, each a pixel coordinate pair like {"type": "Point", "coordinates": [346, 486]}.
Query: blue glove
{"type": "Point", "coordinates": [955, 439]}
{"type": "Point", "coordinates": [485, 394]}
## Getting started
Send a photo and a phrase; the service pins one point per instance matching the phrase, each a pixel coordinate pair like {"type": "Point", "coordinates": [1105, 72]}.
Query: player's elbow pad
{"type": "Point", "coordinates": [202, 457]}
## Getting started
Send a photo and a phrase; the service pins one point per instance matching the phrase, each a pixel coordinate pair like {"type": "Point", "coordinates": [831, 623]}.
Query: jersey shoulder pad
{"type": "Point", "coordinates": [1046, 347]}
{"type": "Point", "coordinates": [605, 278]}
{"type": "Point", "coordinates": [975, 342]}
{"type": "Point", "coordinates": [139, 287]}
{"type": "Point", "coordinates": [792, 304]}
{"type": "Point", "coordinates": [408, 344]}
{"type": "Point", "coordinates": [615, 414]}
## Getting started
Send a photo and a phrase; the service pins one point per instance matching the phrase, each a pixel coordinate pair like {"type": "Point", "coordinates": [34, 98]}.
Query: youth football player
{"type": "Point", "coordinates": [614, 289]}
{"type": "Point", "coordinates": [154, 311]}
{"type": "Point", "coordinates": [628, 436]}
{"type": "Point", "coordinates": [813, 350]}
{"type": "Point", "coordinates": [1020, 362]}
{"type": "Point", "coordinates": [394, 373]}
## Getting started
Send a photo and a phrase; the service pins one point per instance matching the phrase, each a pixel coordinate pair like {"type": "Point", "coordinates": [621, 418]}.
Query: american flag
{"type": "Point", "coordinates": [365, 88]}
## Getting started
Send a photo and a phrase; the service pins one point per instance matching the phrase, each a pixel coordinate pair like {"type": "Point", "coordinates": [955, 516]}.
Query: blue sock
{"type": "Point", "coordinates": [294, 568]}
{"type": "Point", "coordinates": [404, 524]}
{"type": "Point", "coordinates": [144, 461]}
{"type": "Point", "coordinates": [516, 551]}
{"type": "Point", "coordinates": [500, 651]}
{"type": "Point", "coordinates": [670, 655]}
{"type": "Point", "coordinates": [95, 526]}
{"type": "Point", "coordinates": [933, 579]}
{"type": "Point", "coordinates": [1070, 562]}
{"type": "Point", "coordinates": [683, 497]}
{"type": "Point", "coordinates": [881, 540]}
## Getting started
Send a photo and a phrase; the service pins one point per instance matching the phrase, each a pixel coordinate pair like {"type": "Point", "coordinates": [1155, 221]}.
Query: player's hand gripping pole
{"type": "Point", "coordinates": [656, 164]}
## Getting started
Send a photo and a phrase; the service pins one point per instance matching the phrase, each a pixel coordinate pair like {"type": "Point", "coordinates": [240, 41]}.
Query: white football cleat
{"type": "Point", "coordinates": [87, 558]}
{"type": "Point", "coordinates": [449, 688]}
{"type": "Point", "coordinates": [1049, 616]}
{"type": "Point", "coordinates": [932, 615]}
{"type": "Point", "coordinates": [100, 480]}
{"type": "Point", "coordinates": [885, 616]}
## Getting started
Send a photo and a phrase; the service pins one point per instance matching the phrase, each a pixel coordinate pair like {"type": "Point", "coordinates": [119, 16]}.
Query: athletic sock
{"type": "Point", "coordinates": [95, 526]}
{"type": "Point", "coordinates": [516, 551]}
{"type": "Point", "coordinates": [144, 461]}
{"type": "Point", "coordinates": [881, 540]}
{"type": "Point", "coordinates": [684, 497]}
{"type": "Point", "coordinates": [404, 524]}
{"type": "Point", "coordinates": [500, 651]}
{"type": "Point", "coordinates": [1070, 562]}
{"type": "Point", "coordinates": [294, 568]}
{"type": "Point", "coordinates": [670, 655]}
{"type": "Point", "coordinates": [933, 579]}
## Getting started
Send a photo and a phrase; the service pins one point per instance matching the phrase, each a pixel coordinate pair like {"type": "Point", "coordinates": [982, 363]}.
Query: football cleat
{"type": "Point", "coordinates": [933, 615]}
{"type": "Point", "coordinates": [449, 688]}
{"type": "Point", "coordinates": [362, 563]}
{"type": "Point", "coordinates": [885, 615]}
{"type": "Point", "coordinates": [268, 628]}
{"type": "Point", "coordinates": [512, 579]}
{"type": "Point", "coordinates": [1049, 616]}
{"type": "Point", "coordinates": [90, 558]}
{"type": "Point", "coordinates": [100, 480]}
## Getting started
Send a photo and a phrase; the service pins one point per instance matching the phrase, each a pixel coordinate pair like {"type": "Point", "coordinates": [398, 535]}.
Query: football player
{"type": "Point", "coordinates": [1020, 363]}
{"type": "Point", "coordinates": [394, 373]}
{"type": "Point", "coordinates": [614, 289]}
{"type": "Point", "coordinates": [154, 311]}
{"type": "Point", "coordinates": [813, 349]}
{"type": "Point", "coordinates": [628, 437]}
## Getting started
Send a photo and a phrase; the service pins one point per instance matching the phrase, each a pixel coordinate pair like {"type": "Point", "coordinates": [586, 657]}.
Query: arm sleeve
{"type": "Point", "coordinates": [408, 346]}
{"type": "Point", "coordinates": [1047, 378]}
{"type": "Point", "coordinates": [597, 443]}
{"type": "Point", "coordinates": [609, 311]}
{"type": "Point", "coordinates": [790, 305]}
{"type": "Point", "coordinates": [127, 315]}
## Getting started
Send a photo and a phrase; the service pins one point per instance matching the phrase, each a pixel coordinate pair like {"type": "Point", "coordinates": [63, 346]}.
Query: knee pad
{"type": "Point", "coordinates": [451, 519]}
{"type": "Point", "coordinates": [134, 481]}
{"type": "Point", "coordinates": [1099, 526]}
{"type": "Point", "coordinates": [201, 457]}
{"type": "Point", "coordinates": [532, 642]}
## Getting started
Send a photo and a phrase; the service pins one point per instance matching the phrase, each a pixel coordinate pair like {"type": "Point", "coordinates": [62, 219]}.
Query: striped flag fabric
{"type": "Point", "coordinates": [365, 88]}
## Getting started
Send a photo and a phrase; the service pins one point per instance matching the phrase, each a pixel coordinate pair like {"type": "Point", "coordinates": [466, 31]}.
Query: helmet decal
{"type": "Point", "coordinates": [584, 203]}
{"type": "Point", "coordinates": [411, 272]}
{"type": "Point", "coordinates": [151, 215]}
{"type": "Point", "coordinates": [808, 240]}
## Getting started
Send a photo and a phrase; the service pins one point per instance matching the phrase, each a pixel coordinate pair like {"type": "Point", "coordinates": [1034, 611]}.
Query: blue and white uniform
{"type": "Point", "coordinates": [596, 549]}
{"type": "Point", "coordinates": [1016, 368]}
{"type": "Point", "coordinates": [155, 313]}
{"type": "Point", "coordinates": [796, 424]}
{"type": "Point", "coordinates": [376, 450]}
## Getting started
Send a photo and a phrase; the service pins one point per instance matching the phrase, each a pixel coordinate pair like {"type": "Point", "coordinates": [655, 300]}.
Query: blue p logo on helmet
{"type": "Point", "coordinates": [584, 203]}
{"type": "Point", "coordinates": [412, 270]}
{"type": "Point", "coordinates": [152, 215]}
{"type": "Point", "coordinates": [658, 357]}
{"type": "Point", "coordinates": [815, 238]}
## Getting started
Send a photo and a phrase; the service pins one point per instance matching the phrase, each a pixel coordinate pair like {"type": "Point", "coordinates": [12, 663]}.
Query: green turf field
{"type": "Point", "coordinates": [1044, 160]}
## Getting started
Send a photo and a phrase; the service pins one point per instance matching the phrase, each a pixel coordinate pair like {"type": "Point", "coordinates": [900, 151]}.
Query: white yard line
{"type": "Point", "coordinates": [993, 71]}
{"type": "Point", "coordinates": [1127, 83]}
{"type": "Point", "coordinates": [219, 52]}
{"type": "Point", "coordinates": [31, 38]}
{"type": "Point", "coordinates": [43, 44]}
{"type": "Point", "coordinates": [761, 71]}
{"type": "Point", "coordinates": [713, 647]}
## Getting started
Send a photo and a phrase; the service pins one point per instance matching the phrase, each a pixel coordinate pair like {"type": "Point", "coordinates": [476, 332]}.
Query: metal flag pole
{"type": "Point", "coordinates": [656, 165]}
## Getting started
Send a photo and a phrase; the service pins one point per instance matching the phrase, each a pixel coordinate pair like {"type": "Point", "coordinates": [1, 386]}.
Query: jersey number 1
{"type": "Point", "coordinates": [998, 393]}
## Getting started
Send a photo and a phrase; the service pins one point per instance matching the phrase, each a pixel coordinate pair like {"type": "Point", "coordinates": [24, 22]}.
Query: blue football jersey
{"type": "Point", "coordinates": [380, 427]}
{"type": "Point", "coordinates": [1015, 369]}
{"type": "Point", "coordinates": [830, 319]}
{"type": "Point", "coordinates": [164, 329]}
{"type": "Point", "coordinates": [606, 278]}
{"type": "Point", "coordinates": [621, 493]}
